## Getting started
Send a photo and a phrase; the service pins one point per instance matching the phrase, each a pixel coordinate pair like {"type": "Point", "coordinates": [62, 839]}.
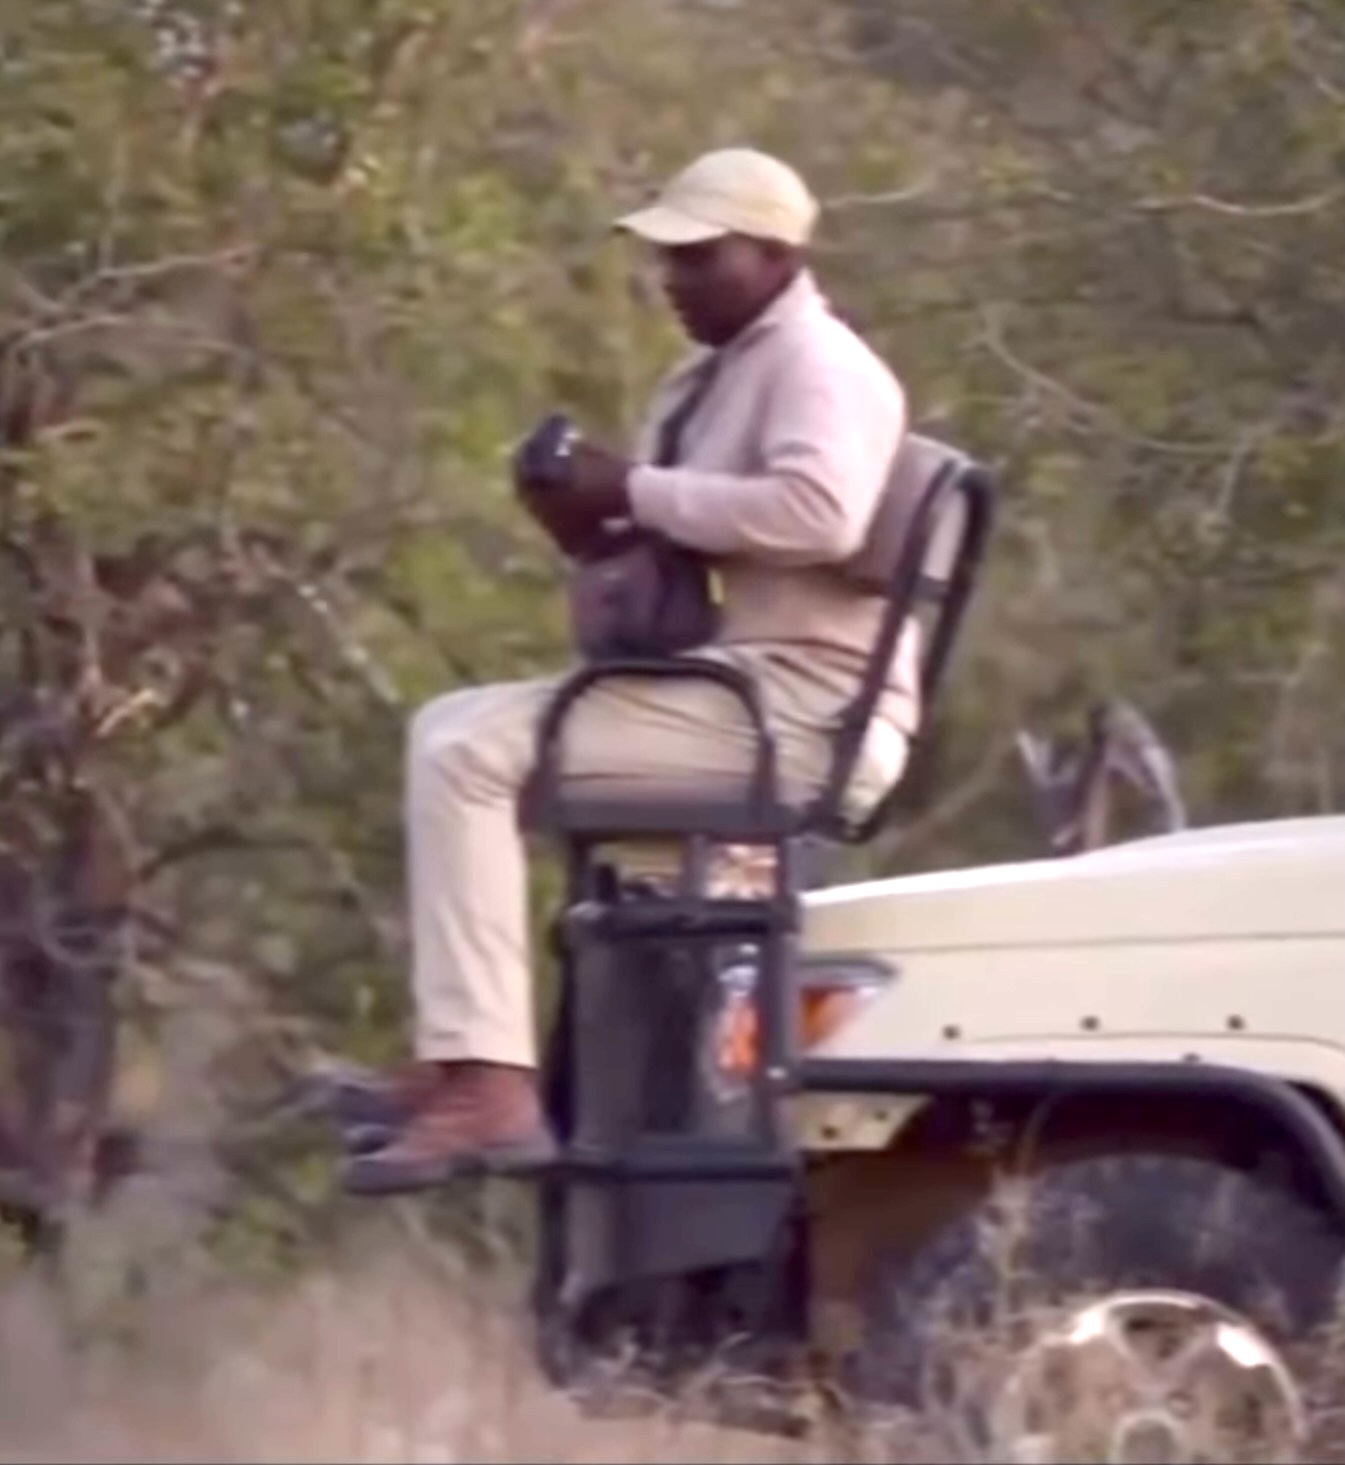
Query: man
{"type": "Point", "coordinates": [780, 462]}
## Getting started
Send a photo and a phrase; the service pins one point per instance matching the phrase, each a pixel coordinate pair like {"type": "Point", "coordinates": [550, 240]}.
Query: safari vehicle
{"type": "Point", "coordinates": [953, 1142]}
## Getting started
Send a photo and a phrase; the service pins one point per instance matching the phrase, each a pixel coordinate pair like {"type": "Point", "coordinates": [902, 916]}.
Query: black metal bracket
{"type": "Point", "coordinates": [675, 1160]}
{"type": "Point", "coordinates": [724, 919]}
{"type": "Point", "coordinates": [770, 926]}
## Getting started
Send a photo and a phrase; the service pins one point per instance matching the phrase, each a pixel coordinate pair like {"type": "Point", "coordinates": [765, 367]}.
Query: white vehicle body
{"type": "Point", "coordinates": [1224, 945]}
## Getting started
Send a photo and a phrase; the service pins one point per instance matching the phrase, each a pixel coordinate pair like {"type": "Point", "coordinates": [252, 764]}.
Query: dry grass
{"type": "Point", "coordinates": [392, 1351]}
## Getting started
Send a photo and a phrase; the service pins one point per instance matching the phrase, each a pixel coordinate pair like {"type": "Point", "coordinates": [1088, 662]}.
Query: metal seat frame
{"type": "Point", "coordinates": [933, 574]}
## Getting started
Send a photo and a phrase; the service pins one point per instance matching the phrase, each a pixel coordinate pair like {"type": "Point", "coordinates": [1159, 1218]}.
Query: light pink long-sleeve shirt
{"type": "Point", "coordinates": [779, 472]}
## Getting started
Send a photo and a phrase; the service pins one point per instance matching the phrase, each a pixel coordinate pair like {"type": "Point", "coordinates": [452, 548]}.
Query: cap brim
{"type": "Point", "coordinates": [662, 225]}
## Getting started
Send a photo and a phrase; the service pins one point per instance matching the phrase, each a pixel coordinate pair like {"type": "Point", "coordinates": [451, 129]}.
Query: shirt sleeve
{"type": "Point", "coordinates": [830, 428]}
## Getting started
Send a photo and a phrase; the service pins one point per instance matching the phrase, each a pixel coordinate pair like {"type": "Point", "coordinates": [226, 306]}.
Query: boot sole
{"type": "Point", "coordinates": [369, 1174]}
{"type": "Point", "coordinates": [364, 1139]}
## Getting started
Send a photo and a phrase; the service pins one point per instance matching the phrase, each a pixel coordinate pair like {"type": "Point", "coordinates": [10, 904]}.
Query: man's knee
{"type": "Point", "coordinates": [471, 734]}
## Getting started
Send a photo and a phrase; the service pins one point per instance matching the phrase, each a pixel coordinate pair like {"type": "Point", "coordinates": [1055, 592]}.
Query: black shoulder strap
{"type": "Point", "coordinates": [674, 425]}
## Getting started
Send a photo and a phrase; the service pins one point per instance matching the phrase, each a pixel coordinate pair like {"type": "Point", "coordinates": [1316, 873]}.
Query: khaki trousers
{"type": "Point", "coordinates": [468, 755]}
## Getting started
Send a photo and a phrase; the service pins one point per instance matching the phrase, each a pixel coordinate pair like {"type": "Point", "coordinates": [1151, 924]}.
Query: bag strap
{"type": "Point", "coordinates": [674, 425]}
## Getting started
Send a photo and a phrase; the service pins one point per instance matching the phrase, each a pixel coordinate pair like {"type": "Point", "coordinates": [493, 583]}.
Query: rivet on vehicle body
{"type": "Point", "coordinates": [1090, 1024]}
{"type": "Point", "coordinates": [952, 1032]}
{"type": "Point", "coordinates": [1236, 1024]}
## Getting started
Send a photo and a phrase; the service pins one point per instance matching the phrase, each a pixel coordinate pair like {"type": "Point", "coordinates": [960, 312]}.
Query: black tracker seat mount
{"type": "Point", "coordinates": [920, 559]}
{"type": "Point", "coordinates": [658, 1170]}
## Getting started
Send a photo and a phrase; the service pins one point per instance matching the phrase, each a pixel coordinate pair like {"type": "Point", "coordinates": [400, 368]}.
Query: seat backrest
{"type": "Point", "coordinates": [920, 462]}
{"type": "Point", "coordinates": [921, 554]}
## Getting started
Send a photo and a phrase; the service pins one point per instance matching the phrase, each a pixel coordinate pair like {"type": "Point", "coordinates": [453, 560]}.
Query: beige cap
{"type": "Point", "coordinates": [733, 191]}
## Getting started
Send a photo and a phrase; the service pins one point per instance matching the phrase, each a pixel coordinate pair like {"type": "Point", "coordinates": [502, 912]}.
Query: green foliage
{"type": "Point", "coordinates": [286, 280]}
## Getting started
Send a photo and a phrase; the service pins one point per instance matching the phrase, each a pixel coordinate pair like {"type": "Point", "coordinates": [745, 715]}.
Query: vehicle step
{"type": "Point", "coordinates": [675, 1161]}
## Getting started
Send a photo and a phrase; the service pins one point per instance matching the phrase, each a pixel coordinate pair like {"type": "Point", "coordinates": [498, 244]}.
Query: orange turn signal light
{"type": "Point", "coordinates": [823, 1008]}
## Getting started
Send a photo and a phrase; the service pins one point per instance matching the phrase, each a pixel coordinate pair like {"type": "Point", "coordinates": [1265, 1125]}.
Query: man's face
{"type": "Point", "coordinates": [718, 287]}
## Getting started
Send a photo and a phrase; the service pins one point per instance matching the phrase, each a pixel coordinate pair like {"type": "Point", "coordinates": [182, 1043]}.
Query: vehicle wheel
{"type": "Point", "coordinates": [1137, 1307]}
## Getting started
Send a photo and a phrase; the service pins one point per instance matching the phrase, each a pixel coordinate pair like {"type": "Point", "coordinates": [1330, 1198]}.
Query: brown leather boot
{"type": "Point", "coordinates": [382, 1099]}
{"type": "Point", "coordinates": [481, 1119]}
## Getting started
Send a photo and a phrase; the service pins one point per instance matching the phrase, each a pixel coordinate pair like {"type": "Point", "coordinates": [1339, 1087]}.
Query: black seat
{"type": "Point", "coordinates": [921, 557]}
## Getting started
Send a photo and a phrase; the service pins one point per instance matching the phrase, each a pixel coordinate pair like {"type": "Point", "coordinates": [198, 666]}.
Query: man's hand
{"type": "Point", "coordinates": [574, 533]}
{"type": "Point", "coordinates": [597, 482]}
{"type": "Point", "coordinates": [573, 511]}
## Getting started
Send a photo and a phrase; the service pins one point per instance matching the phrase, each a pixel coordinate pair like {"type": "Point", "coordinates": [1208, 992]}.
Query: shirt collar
{"type": "Point", "coordinates": [800, 297]}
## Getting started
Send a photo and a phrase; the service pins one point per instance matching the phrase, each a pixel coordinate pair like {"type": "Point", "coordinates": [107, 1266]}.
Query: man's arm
{"type": "Point", "coordinates": [830, 432]}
